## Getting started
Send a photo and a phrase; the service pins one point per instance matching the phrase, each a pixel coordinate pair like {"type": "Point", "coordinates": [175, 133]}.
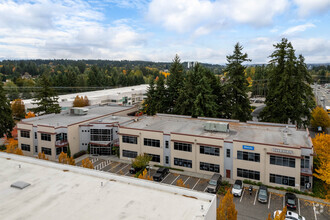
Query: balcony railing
{"type": "Point", "coordinates": [61, 143]}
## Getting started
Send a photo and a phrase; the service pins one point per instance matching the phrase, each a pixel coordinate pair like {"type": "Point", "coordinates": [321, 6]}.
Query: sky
{"type": "Point", "coordinates": [155, 30]}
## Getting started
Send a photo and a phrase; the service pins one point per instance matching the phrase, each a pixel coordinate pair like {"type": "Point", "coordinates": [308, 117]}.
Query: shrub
{"type": "Point", "coordinates": [80, 153]}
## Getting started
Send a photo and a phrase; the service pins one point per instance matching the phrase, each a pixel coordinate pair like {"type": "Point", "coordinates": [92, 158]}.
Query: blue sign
{"type": "Point", "coordinates": [246, 147]}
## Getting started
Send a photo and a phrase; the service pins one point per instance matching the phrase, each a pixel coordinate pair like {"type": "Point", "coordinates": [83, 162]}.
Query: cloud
{"type": "Point", "coordinates": [191, 15]}
{"type": "Point", "coordinates": [63, 29]}
{"type": "Point", "coordinates": [298, 28]}
{"type": "Point", "coordinates": [307, 7]}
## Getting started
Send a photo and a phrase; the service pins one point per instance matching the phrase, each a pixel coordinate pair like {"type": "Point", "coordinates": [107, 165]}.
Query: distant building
{"type": "Point", "coordinates": [57, 191]}
{"type": "Point", "coordinates": [26, 75]}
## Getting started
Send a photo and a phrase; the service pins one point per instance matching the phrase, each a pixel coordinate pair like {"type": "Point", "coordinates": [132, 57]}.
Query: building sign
{"type": "Point", "coordinates": [246, 147]}
{"type": "Point", "coordinates": [282, 151]}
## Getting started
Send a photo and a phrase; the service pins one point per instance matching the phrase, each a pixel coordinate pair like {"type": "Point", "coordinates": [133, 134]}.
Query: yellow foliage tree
{"type": "Point", "coordinates": [42, 156]}
{"type": "Point", "coordinates": [86, 163]}
{"type": "Point", "coordinates": [12, 147]}
{"type": "Point", "coordinates": [63, 158]}
{"type": "Point", "coordinates": [144, 175]}
{"type": "Point", "coordinates": [30, 115]}
{"type": "Point", "coordinates": [279, 216]}
{"type": "Point", "coordinates": [226, 209]}
{"type": "Point", "coordinates": [80, 101]}
{"type": "Point", "coordinates": [320, 118]}
{"type": "Point", "coordinates": [18, 108]}
{"type": "Point", "coordinates": [86, 101]}
{"type": "Point", "coordinates": [180, 183]}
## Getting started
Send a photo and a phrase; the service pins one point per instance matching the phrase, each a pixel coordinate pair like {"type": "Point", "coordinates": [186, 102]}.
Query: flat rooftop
{"type": "Point", "coordinates": [260, 132]}
{"type": "Point", "coordinates": [67, 192]}
{"type": "Point", "coordinates": [65, 119]}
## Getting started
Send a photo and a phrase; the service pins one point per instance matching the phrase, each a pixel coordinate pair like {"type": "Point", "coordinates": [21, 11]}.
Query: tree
{"type": "Point", "coordinates": [289, 98]}
{"type": "Point", "coordinates": [174, 83]}
{"type": "Point", "coordinates": [141, 161]}
{"type": "Point", "coordinates": [69, 151]}
{"type": "Point", "coordinates": [42, 156]}
{"type": "Point", "coordinates": [144, 175]}
{"type": "Point", "coordinates": [66, 159]}
{"type": "Point", "coordinates": [46, 98]}
{"type": "Point", "coordinates": [78, 102]}
{"type": "Point", "coordinates": [321, 144]}
{"type": "Point", "coordinates": [30, 115]}
{"type": "Point", "coordinates": [150, 102]}
{"type": "Point", "coordinates": [237, 86]}
{"type": "Point", "coordinates": [86, 101]}
{"type": "Point", "coordinates": [12, 89]}
{"type": "Point", "coordinates": [160, 95]}
{"type": "Point", "coordinates": [12, 147]}
{"type": "Point", "coordinates": [86, 163]}
{"type": "Point", "coordinates": [18, 108]}
{"type": "Point", "coordinates": [180, 183]}
{"type": "Point", "coordinates": [226, 209]}
{"type": "Point", "coordinates": [6, 119]}
{"type": "Point", "coordinates": [279, 216]}
{"type": "Point", "coordinates": [320, 118]}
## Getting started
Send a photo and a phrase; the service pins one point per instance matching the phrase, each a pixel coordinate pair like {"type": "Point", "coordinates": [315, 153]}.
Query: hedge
{"type": "Point", "coordinates": [80, 153]}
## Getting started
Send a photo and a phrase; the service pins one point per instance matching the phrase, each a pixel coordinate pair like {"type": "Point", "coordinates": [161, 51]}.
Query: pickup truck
{"type": "Point", "coordinates": [160, 174]}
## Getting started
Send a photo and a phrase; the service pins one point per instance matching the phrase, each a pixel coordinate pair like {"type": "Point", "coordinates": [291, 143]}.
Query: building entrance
{"type": "Point", "coordinates": [100, 150]}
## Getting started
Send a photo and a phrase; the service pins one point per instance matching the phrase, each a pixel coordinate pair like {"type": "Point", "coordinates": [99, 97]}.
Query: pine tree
{"type": "Point", "coordinates": [6, 119]}
{"type": "Point", "coordinates": [174, 82]}
{"type": "Point", "coordinates": [236, 86]}
{"type": "Point", "coordinates": [69, 151]}
{"type": "Point", "coordinates": [160, 95]}
{"type": "Point", "coordinates": [150, 102]}
{"type": "Point", "coordinates": [289, 98]}
{"type": "Point", "coordinates": [46, 99]}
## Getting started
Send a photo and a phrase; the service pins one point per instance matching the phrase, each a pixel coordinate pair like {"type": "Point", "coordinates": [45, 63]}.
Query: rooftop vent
{"type": "Point", "coordinates": [20, 185]}
{"type": "Point", "coordinates": [216, 126]}
{"type": "Point", "coordinates": [78, 111]}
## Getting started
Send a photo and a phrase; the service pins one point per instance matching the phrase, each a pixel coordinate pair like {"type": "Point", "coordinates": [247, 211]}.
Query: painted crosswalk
{"type": "Point", "coordinates": [101, 165]}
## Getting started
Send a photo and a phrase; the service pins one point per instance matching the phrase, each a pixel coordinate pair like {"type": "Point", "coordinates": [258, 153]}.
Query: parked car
{"type": "Point", "coordinates": [290, 215]}
{"type": "Point", "coordinates": [214, 183]}
{"type": "Point", "coordinates": [160, 174]}
{"type": "Point", "coordinates": [134, 170]}
{"type": "Point", "coordinates": [263, 194]}
{"type": "Point", "coordinates": [237, 188]}
{"type": "Point", "coordinates": [291, 201]}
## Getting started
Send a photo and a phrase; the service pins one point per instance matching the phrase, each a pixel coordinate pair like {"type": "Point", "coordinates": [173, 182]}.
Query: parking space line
{"type": "Point", "coordinates": [255, 198]}
{"type": "Point", "coordinates": [165, 177]}
{"type": "Point", "coordinates": [175, 179]}
{"type": "Point", "coordinates": [196, 183]}
{"type": "Point", "coordinates": [126, 173]}
{"type": "Point", "coordinates": [299, 206]}
{"type": "Point", "coordinates": [314, 210]}
{"type": "Point", "coordinates": [242, 195]}
{"type": "Point", "coordinates": [122, 168]}
{"type": "Point", "coordinates": [205, 189]}
{"type": "Point", "coordinates": [114, 167]}
{"type": "Point", "coordinates": [186, 180]}
{"type": "Point", "coordinates": [270, 196]}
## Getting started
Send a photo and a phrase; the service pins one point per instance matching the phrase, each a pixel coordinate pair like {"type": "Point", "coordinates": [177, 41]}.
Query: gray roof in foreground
{"type": "Point", "coordinates": [258, 132]}
{"type": "Point", "coordinates": [60, 191]}
{"type": "Point", "coordinates": [65, 118]}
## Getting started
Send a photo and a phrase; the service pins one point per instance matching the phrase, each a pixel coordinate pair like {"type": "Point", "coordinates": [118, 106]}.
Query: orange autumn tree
{"type": "Point", "coordinates": [12, 147]}
{"type": "Point", "coordinates": [65, 159]}
{"type": "Point", "coordinates": [321, 144]}
{"type": "Point", "coordinates": [86, 163]}
{"type": "Point", "coordinates": [180, 183]}
{"type": "Point", "coordinates": [80, 101]}
{"type": "Point", "coordinates": [86, 101]}
{"type": "Point", "coordinates": [226, 209]}
{"type": "Point", "coordinates": [18, 108]}
{"type": "Point", "coordinates": [42, 156]}
{"type": "Point", "coordinates": [279, 216]}
{"type": "Point", "coordinates": [30, 115]}
{"type": "Point", "coordinates": [144, 175]}
{"type": "Point", "coordinates": [320, 118]}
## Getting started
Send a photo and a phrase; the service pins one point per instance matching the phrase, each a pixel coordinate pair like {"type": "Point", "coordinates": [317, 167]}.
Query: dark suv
{"type": "Point", "coordinates": [291, 201]}
{"type": "Point", "coordinates": [160, 174]}
{"type": "Point", "coordinates": [134, 170]}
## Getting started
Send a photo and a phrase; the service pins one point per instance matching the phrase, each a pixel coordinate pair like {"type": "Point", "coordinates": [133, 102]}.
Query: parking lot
{"type": "Point", "coordinates": [247, 205]}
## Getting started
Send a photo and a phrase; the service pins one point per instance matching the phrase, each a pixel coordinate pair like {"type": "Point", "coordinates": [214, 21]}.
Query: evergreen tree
{"type": "Point", "coordinates": [161, 95]}
{"type": "Point", "coordinates": [174, 82]}
{"type": "Point", "coordinates": [46, 98]}
{"type": "Point", "coordinates": [289, 98]}
{"type": "Point", "coordinates": [6, 119]}
{"type": "Point", "coordinates": [69, 151]}
{"type": "Point", "coordinates": [150, 101]}
{"type": "Point", "coordinates": [236, 86]}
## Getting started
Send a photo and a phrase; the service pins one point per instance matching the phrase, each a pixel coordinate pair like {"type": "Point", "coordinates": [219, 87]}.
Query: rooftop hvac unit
{"type": "Point", "coordinates": [79, 111]}
{"type": "Point", "coordinates": [216, 126]}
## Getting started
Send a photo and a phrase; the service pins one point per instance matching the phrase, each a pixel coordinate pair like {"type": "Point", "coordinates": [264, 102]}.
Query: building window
{"type": "Point", "coordinates": [182, 162]}
{"type": "Point", "coordinates": [35, 135]}
{"type": "Point", "coordinates": [101, 134]}
{"type": "Point", "coordinates": [61, 149]}
{"type": "Point", "coordinates": [25, 134]}
{"type": "Point", "coordinates": [249, 156]}
{"type": "Point", "coordinates": [129, 139]}
{"type": "Point", "coordinates": [130, 154]}
{"type": "Point", "coordinates": [46, 150]}
{"type": "Point", "coordinates": [45, 137]}
{"type": "Point", "coordinates": [25, 147]}
{"type": "Point", "coordinates": [305, 162]}
{"type": "Point", "coordinates": [182, 146]}
{"type": "Point", "coordinates": [209, 167]}
{"type": "Point", "coordinates": [36, 149]}
{"type": "Point", "coordinates": [166, 144]}
{"type": "Point", "coordinates": [166, 159]}
{"type": "Point", "coordinates": [209, 150]}
{"type": "Point", "coordinates": [282, 180]}
{"type": "Point", "coordinates": [151, 142]}
{"type": "Point", "coordinates": [155, 158]}
{"type": "Point", "coordinates": [228, 153]}
{"type": "Point", "coordinates": [282, 161]}
{"type": "Point", "coordinates": [62, 137]}
{"type": "Point", "coordinates": [250, 174]}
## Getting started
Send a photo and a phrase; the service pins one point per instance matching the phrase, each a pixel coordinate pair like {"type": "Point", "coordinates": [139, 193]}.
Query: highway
{"type": "Point", "coordinates": [322, 95]}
